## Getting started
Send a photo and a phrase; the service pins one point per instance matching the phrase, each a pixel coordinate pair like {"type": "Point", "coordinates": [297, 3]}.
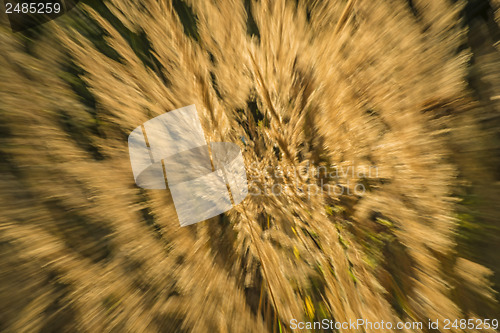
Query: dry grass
{"type": "Point", "coordinates": [355, 84]}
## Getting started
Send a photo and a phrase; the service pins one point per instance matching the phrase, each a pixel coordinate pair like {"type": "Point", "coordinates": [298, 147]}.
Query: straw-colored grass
{"type": "Point", "coordinates": [410, 93]}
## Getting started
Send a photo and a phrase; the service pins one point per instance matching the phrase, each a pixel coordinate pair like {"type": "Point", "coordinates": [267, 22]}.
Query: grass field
{"type": "Point", "coordinates": [389, 110]}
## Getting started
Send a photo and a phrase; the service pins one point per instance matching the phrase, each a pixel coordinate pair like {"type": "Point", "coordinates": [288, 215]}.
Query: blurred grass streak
{"type": "Point", "coordinates": [409, 87]}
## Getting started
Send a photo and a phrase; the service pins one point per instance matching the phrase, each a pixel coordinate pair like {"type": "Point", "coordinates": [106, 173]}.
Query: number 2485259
{"type": "Point", "coordinates": [33, 8]}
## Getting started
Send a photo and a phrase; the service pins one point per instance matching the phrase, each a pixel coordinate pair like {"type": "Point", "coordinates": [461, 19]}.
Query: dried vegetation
{"type": "Point", "coordinates": [409, 88]}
